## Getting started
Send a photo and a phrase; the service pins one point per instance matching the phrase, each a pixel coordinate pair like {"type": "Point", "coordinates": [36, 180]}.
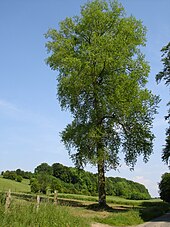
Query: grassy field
{"type": "Point", "coordinates": [48, 215]}
{"type": "Point", "coordinates": [6, 184]}
{"type": "Point", "coordinates": [73, 210]}
{"type": "Point", "coordinates": [110, 199]}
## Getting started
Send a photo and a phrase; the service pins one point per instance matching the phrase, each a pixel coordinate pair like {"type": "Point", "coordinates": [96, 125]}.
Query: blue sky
{"type": "Point", "coordinates": [30, 115]}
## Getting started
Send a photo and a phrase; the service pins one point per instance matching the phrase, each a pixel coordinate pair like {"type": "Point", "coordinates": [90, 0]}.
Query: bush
{"type": "Point", "coordinates": [9, 175]}
{"type": "Point", "coordinates": [18, 178]}
{"type": "Point", "coordinates": [164, 187]}
{"type": "Point", "coordinates": [35, 186]}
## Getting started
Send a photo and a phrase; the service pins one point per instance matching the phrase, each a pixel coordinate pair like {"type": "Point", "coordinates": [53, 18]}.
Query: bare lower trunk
{"type": "Point", "coordinates": [101, 183]}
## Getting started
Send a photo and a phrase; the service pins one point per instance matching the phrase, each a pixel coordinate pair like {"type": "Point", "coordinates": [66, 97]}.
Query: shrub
{"type": "Point", "coordinates": [164, 187]}
{"type": "Point", "coordinates": [18, 178]}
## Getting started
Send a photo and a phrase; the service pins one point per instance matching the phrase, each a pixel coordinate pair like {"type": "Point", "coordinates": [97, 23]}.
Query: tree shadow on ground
{"type": "Point", "coordinates": [96, 207]}
{"type": "Point", "coordinates": [72, 203]}
{"type": "Point", "coordinates": [152, 210]}
{"type": "Point", "coordinates": [93, 206]}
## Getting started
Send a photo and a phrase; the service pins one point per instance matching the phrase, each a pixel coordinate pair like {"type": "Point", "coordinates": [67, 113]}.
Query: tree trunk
{"type": "Point", "coordinates": [101, 183]}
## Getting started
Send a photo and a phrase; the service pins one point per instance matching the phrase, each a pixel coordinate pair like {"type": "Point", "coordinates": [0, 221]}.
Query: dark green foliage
{"type": "Point", "coordinates": [9, 175]}
{"type": "Point", "coordinates": [55, 184]}
{"type": "Point", "coordinates": [17, 175]}
{"type": "Point", "coordinates": [125, 188]}
{"type": "Point", "coordinates": [164, 187]}
{"type": "Point", "coordinates": [35, 186]}
{"type": "Point", "coordinates": [165, 75]}
{"type": "Point", "coordinates": [77, 181]}
{"type": "Point", "coordinates": [18, 178]}
{"type": "Point", "coordinates": [153, 209]}
{"type": "Point", "coordinates": [43, 168]}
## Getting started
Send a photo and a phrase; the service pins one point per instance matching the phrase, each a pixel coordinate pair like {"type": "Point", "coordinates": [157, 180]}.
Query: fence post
{"type": "Point", "coordinates": [38, 203]}
{"type": "Point", "coordinates": [8, 200]}
{"type": "Point", "coordinates": [55, 197]}
{"type": "Point", "coordinates": [48, 195]}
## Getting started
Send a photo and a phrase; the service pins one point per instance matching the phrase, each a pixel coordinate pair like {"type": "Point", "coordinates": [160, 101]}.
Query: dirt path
{"type": "Point", "coordinates": [163, 221]}
{"type": "Point", "coordinates": [99, 225]}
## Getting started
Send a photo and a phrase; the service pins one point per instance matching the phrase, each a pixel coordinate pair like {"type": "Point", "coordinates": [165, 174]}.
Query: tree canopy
{"type": "Point", "coordinates": [164, 187]}
{"type": "Point", "coordinates": [165, 75]}
{"type": "Point", "coordinates": [101, 80]}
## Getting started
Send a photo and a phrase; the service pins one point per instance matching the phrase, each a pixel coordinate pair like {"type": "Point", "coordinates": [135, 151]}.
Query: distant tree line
{"type": "Point", "coordinates": [72, 180]}
{"type": "Point", "coordinates": [17, 175]}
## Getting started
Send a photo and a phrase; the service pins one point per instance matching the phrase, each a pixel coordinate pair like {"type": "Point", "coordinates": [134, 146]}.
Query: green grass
{"type": "Point", "coordinates": [121, 219]}
{"type": "Point", "coordinates": [6, 184]}
{"type": "Point", "coordinates": [73, 210]}
{"type": "Point", "coordinates": [48, 215]}
{"type": "Point", "coordinates": [110, 199]}
{"type": "Point", "coordinates": [80, 212]}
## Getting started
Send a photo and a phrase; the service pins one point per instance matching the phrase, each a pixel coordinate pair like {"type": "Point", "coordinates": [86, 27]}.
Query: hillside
{"type": "Point", "coordinates": [70, 180]}
{"type": "Point", "coordinates": [6, 184]}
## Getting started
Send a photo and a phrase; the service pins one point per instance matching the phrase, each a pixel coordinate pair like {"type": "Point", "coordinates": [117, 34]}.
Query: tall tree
{"type": "Point", "coordinates": [165, 75]}
{"type": "Point", "coordinates": [101, 81]}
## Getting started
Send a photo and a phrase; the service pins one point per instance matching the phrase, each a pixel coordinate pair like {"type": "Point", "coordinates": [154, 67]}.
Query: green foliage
{"type": "Point", "coordinates": [153, 209]}
{"type": "Point", "coordinates": [13, 175]}
{"type": "Point", "coordinates": [164, 187]}
{"type": "Point", "coordinates": [101, 81]}
{"type": "Point", "coordinates": [125, 188]}
{"type": "Point", "coordinates": [165, 75]}
{"type": "Point", "coordinates": [56, 184]}
{"type": "Point", "coordinates": [75, 181]}
{"type": "Point", "coordinates": [35, 186]}
{"type": "Point", "coordinates": [18, 178]}
{"type": "Point", "coordinates": [43, 168]}
{"type": "Point", "coordinates": [9, 175]}
{"type": "Point", "coordinates": [72, 180]}
{"type": "Point", "coordinates": [24, 174]}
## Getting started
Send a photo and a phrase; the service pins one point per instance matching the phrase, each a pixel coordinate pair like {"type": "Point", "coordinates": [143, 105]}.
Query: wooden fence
{"type": "Point", "coordinates": [38, 200]}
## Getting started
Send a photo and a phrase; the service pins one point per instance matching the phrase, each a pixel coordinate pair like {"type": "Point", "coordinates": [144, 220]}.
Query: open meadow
{"type": "Point", "coordinates": [72, 210]}
{"type": "Point", "coordinates": [6, 184]}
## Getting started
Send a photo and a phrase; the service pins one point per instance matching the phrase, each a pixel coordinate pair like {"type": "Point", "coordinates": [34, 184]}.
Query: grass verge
{"type": "Point", "coordinates": [22, 215]}
{"type": "Point", "coordinates": [77, 211]}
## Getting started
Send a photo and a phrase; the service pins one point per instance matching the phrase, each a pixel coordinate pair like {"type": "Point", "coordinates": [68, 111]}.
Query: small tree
{"type": "Point", "coordinates": [164, 187]}
{"type": "Point", "coordinates": [102, 77]}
